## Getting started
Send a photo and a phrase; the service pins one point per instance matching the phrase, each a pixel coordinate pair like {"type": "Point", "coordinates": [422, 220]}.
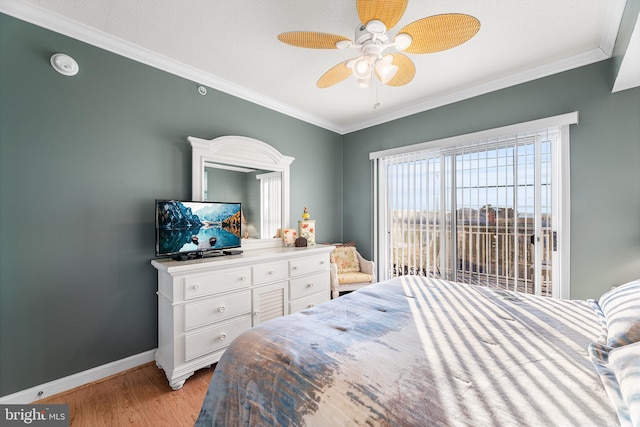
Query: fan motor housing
{"type": "Point", "coordinates": [362, 35]}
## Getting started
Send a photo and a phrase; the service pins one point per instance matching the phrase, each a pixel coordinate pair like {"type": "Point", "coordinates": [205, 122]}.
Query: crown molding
{"type": "Point", "coordinates": [525, 76]}
{"type": "Point", "coordinates": [611, 25]}
{"type": "Point", "coordinates": [60, 24]}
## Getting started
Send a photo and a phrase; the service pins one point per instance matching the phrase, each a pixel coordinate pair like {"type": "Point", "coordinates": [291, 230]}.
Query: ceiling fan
{"type": "Point", "coordinates": [427, 35]}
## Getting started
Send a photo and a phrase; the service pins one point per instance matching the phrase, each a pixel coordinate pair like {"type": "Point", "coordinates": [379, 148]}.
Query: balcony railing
{"type": "Point", "coordinates": [497, 255]}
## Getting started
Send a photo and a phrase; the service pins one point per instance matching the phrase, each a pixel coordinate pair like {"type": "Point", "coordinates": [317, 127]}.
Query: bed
{"type": "Point", "coordinates": [415, 351]}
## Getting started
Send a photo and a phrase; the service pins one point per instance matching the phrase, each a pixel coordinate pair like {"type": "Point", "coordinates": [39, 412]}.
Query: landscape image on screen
{"type": "Point", "coordinates": [196, 226]}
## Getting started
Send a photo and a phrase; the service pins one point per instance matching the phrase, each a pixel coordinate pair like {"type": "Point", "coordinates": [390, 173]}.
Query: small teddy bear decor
{"type": "Point", "coordinates": [305, 213]}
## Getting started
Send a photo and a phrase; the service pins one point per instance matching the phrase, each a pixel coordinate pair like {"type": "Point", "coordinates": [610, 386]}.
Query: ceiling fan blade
{"type": "Point", "coordinates": [440, 32]}
{"type": "Point", "coordinates": [311, 39]}
{"type": "Point", "coordinates": [334, 75]}
{"type": "Point", "coordinates": [387, 11]}
{"type": "Point", "coordinates": [406, 70]}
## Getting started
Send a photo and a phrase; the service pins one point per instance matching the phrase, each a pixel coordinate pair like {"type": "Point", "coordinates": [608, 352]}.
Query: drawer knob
{"type": "Point", "coordinates": [321, 262]}
{"type": "Point", "coordinates": [243, 278]}
{"type": "Point", "coordinates": [196, 286]}
{"type": "Point", "coordinates": [223, 336]}
{"type": "Point", "coordinates": [256, 313]}
{"type": "Point", "coordinates": [295, 267]}
{"type": "Point", "coordinates": [222, 308]}
{"type": "Point", "coordinates": [271, 273]}
{"type": "Point", "coordinates": [310, 285]}
{"type": "Point", "coordinates": [310, 305]}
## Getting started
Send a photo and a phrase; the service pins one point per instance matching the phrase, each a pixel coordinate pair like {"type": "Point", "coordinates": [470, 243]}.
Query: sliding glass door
{"type": "Point", "coordinates": [483, 212]}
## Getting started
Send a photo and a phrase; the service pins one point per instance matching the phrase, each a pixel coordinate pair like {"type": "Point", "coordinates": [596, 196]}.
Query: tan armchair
{"type": "Point", "coordinates": [349, 270]}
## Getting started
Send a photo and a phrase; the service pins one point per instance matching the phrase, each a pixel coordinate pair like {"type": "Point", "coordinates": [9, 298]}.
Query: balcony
{"type": "Point", "coordinates": [496, 252]}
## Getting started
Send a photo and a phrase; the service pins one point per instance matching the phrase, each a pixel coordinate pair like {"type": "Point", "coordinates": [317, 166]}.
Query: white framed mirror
{"type": "Point", "coordinates": [246, 170]}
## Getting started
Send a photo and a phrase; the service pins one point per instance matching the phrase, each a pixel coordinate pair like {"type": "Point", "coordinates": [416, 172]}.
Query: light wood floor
{"type": "Point", "coordinates": [137, 397]}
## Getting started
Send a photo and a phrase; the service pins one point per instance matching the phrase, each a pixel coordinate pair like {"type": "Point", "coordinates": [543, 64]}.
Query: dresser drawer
{"type": "Point", "coordinates": [308, 285]}
{"type": "Point", "coordinates": [212, 339]}
{"type": "Point", "coordinates": [308, 301]}
{"type": "Point", "coordinates": [206, 284]}
{"type": "Point", "coordinates": [216, 309]}
{"type": "Point", "coordinates": [299, 267]}
{"type": "Point", "coordinates": [270, 272]}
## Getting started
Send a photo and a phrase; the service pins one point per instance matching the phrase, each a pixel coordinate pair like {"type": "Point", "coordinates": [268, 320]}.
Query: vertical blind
{"type": "Point", "coordinates": [478, 212]}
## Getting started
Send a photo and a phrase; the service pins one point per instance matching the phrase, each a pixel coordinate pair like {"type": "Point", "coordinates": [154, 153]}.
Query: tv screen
{"type": "Point", "coordinates": [184, 227]}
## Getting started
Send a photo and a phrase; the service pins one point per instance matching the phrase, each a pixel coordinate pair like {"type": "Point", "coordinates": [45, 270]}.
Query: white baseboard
{"type": "Point", "coordinates": [76, 380]}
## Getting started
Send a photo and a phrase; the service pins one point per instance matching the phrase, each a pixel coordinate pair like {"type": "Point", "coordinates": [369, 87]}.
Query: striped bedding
{"type": "Point", "coordinates": [416, 351]}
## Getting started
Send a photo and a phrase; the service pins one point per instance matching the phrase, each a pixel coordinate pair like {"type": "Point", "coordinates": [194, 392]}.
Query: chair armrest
{"type": "Point", "coordinates": [368, 267]}
{"type": "Point", "coordinates": [334, 276]}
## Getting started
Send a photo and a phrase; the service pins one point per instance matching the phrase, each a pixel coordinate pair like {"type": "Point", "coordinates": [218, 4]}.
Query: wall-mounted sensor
{"type": "Point", "coordinates": [202, 90]}
{"type": "Point", "coordinates": [64, 64]}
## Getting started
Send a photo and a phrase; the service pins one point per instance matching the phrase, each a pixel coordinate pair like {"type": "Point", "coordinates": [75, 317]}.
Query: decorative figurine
{"type": "Point", "coordinates": [305, 214]}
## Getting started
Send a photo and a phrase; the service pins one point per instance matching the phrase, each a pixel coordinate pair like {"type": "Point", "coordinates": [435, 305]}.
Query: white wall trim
{"type": "Point", "coordinates": [60, 24]}
{"type": "Point", "coordinates": [576, 61]}
{"type": "Point", "coordinates": [561, 271]}
{"type": "Point", "coordinates": [76, 380]}
{"type": "Point", "coordinates": [560, 120]}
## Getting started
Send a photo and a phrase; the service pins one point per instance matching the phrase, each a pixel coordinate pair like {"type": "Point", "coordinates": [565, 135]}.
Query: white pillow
{"type": "Point", "coordinates": [625, 364]}
{"type": "Point", "coordinates": [621, 309]}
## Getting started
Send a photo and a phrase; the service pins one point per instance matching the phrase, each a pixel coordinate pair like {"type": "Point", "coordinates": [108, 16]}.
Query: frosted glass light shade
{"type": "Point", "coordinates": [385, 69]}
{"type": "Point", "coordinates": [361, 68]}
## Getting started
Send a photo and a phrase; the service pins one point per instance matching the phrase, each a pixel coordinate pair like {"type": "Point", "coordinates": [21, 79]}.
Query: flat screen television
{"type": "Point", "coordinates": [196, 229]}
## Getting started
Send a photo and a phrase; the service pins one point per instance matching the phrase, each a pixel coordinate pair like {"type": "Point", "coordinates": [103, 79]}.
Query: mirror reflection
{"type": "Point", "coordinates": [261, 182]}
{"type": "Point", "coordinates": [259, 191]}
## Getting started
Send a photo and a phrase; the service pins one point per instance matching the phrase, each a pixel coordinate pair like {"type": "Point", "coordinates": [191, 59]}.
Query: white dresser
{"type": "Point", "coordinates": [204, 304]}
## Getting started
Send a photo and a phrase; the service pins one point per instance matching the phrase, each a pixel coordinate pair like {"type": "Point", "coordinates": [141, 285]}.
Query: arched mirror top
{"type": "Point", "coordinates": [246, 154]}
{"type": "Point", "coordinates": [240, 151]}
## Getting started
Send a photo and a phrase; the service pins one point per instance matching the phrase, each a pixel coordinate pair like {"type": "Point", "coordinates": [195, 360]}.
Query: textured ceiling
{"type": "Point", "coordinates": [233, 46]}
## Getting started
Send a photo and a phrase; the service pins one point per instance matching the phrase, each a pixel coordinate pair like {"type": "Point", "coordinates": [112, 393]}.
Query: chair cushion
{"type": "Point", "coordinates": [346, 259]}
{"type": "Point", "coordinates": [353, 277]}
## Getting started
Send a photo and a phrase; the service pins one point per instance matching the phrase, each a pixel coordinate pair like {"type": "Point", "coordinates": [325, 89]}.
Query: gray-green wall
{"type": "Point", "coordinates": [605, 165]}
{"type": "Point", "coordinates": [81, 161]}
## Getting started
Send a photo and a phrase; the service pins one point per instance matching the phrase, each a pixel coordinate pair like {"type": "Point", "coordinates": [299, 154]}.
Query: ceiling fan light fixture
{"type": "Point", "coordinates": [385, 69]}
{"type": "Point", "coordinates": [362, 68]}
{"type": "Point", "coordinates": [364, 83]}
{"type": "Point", "coordinates": [426, 35]}
{"type": "Point", "coordinates": [402, 41]}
